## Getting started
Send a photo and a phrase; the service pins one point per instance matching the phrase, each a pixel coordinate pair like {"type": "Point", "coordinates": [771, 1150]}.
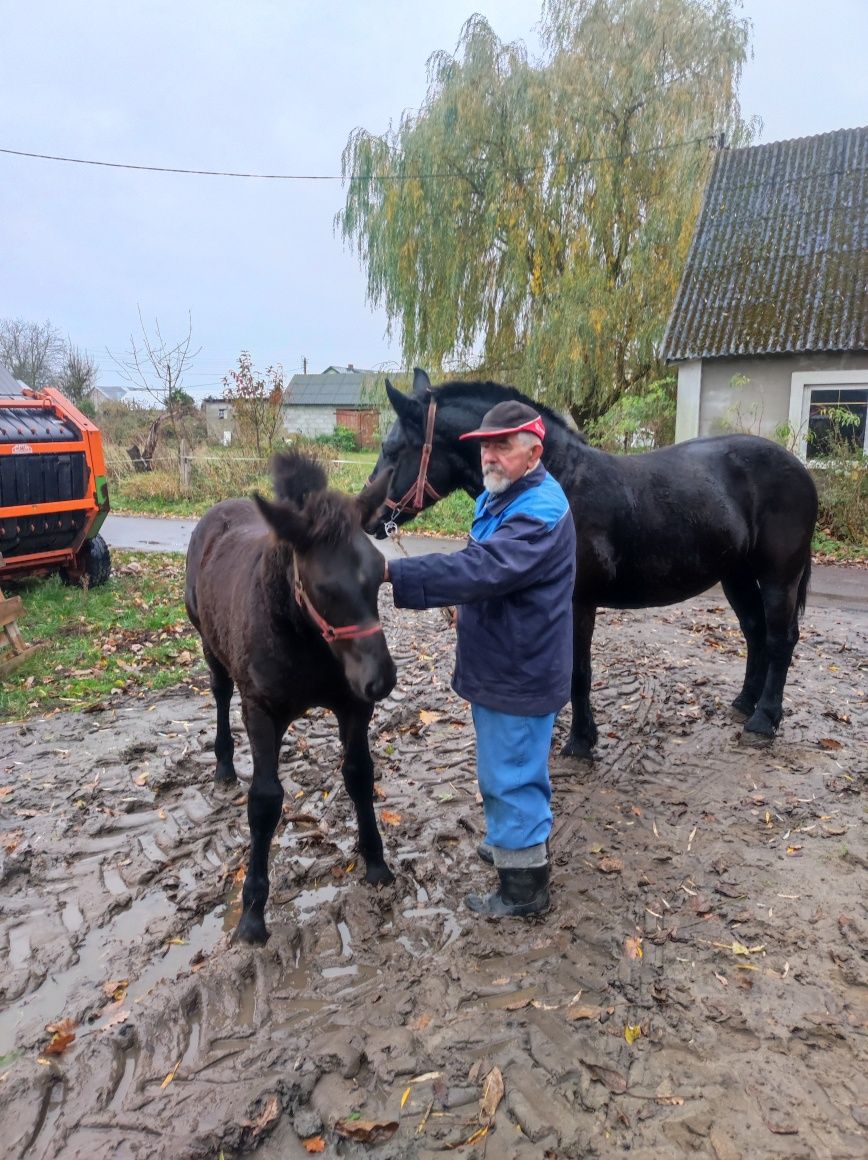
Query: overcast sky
{"type": "Point", "coordinates": [268, 86]}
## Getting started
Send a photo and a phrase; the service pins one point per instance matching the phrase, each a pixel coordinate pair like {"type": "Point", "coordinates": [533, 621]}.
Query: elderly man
{"type": "Point", "coordinates": [513, 584]}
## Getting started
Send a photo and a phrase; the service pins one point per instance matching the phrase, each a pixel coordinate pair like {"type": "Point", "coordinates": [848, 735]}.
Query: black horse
{"type": "Point", "coordinates": [284, 597]}
{"type": "Point", "coordinates": [651, 529]}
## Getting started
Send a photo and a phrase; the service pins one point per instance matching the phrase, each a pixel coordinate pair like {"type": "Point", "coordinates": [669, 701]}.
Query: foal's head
{"type": "Point", "coordinates": [338, 568]}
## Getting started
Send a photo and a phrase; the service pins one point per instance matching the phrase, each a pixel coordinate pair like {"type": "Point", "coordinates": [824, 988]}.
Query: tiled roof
{"type": "Point", "coordinates": [332, 389]}
{"type": "Point", "coordinates": [779, 258]}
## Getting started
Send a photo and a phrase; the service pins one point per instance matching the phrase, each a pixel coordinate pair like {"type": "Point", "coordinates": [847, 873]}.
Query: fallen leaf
{"type": "Point", "coordinates": [429, 718]}
{"type": "Point", "coordinates": [477, 1135]}
{"type": "Point", "coordinates": [518, 1002]}
{"type": "Point", "coordinates": [116, 989]}
{"type": "Point", "coordinates": [829, 743]}
{"type": "Point", "coordinates": [632, 1032]}
{"type": "Point", "coordinates": [269, 1112]}
{"type": "Point", "coordinates": [429, 1075]}
{"type": "Point", "coordinates": [119, 1017]}
{"type": "Point", "coordinates": [6, 790]}
{"type": "Point", "coordinates": [612, 1079]}
{"type": "Point", "coordinates": [314, 1144]}
{"type": "Point", "coordinates": [390, 818]}
{"type": "Point", "coordinates": [610, 865]}
{"type": "Point", "coordinates": [492, 1094]}
{"type": "Point", "coordinates": [367, 1131]}
{"type": "Point", "coordinates": [633, 947]}
{"type": "Point", "coordinates": [170, 1076]}
{"type": "Point", "coordinates": [669, 1101]}
{"type": "Point", "coordinates": [62, 1034]}
{"type": "Point", "coordinates": [420, 1023]}
{"type": "Point", "coordinates": [739, 949]}
{"type": "Point", "coordinates": [406, 1095]}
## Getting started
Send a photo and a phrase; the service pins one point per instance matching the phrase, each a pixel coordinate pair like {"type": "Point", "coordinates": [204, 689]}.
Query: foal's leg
{"type": "Point", "coordinates": [358, 771]}
{"type": "Point", "coordinates": [583, 730]}
{"type": "Point", "coordinates": [264, 803]}
{"type": "Point", "coordinates": [782, 634]}
{"type": "Point", "coordinates": [222, 686]}
{"type": "Point", "coordinates": [743, 594]}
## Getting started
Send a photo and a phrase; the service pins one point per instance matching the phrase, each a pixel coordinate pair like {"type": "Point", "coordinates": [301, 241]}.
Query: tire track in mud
{"type": "Point", "coordinates": [678, 844]}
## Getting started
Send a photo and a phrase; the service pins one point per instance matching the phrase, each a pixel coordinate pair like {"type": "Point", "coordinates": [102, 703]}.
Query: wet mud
{"type": "Point", "coordinates": [700, 986]}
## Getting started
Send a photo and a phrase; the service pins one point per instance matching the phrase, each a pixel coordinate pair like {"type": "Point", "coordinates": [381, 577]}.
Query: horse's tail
{"type": "Point", "coordinates": [803, 587]}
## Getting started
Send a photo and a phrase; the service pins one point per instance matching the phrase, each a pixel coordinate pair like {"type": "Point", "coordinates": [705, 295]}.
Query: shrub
{"type": "Point", "coordinates": [638, 422]}
{"type": "Point", "coordinates": [341, 439]}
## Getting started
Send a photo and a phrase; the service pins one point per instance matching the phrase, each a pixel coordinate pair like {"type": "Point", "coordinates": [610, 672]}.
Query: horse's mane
{"type": "Point", "coordinates": [496, 393]}
{"type": "Point", "coordinates": [300, 479]}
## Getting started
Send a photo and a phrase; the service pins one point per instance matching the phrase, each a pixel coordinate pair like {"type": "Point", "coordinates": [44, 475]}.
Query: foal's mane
{"type": "Point", "coordinates": [493, 393]}
{"type": "Point", "coordinates": [300, 479]}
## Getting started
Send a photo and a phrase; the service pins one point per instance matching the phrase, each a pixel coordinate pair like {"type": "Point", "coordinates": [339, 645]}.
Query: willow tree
{"type": "Point", "coordinates": [532, 218]}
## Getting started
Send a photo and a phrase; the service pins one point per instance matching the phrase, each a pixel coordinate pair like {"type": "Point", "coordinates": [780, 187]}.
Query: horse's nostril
{"type": "Point", "coordinates": [380, 686]}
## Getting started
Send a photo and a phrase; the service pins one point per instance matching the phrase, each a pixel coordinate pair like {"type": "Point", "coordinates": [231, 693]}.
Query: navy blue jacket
{"type": "Point", "coordinates": [513, 584]}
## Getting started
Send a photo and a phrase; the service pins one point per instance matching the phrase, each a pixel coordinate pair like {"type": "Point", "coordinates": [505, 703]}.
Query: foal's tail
{"type": "Point", "coordinates": [803, 587]}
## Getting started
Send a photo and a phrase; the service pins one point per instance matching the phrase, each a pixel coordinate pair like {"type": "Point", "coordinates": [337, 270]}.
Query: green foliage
{"type": "Point", "coordinates": [640, 421]}
{"type": "Point", "coordinates": [341, 439]}
{"type": "Point", "coordinates": [841, 476]}
{"type": "Point", "coordinates": [536, 216]}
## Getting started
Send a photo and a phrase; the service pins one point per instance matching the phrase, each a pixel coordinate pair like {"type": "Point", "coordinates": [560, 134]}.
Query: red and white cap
{"type": "Point", "coordinates": [508, 418]}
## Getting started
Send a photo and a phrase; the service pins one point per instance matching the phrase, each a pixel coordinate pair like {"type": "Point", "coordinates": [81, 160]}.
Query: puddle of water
{"type": "Point", "coordinates": [499, 1002]}
{"type": "Point", "coordinates": [131, 1063]}
{"type": "Point", "coordinates": [114, 883]}
{"type": "Point", "coordinates": [49, 1001]}
{"type": "Point", "coordinates": [310, 899]}
{"type": "Point", "coordinates": [346, 941]}
{"type": "Point", "coordinates": [72, 917]}
{"type": "Point", "coordinates": [337, 972]}
{"type": "Point", "coordinates": [51, 1109]}
{"type": "Point", "coordinates": [19, 947]}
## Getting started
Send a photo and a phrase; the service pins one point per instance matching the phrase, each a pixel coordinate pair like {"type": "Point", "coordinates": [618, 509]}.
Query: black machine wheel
{"type": "Point", "coordinates": [94, 564]}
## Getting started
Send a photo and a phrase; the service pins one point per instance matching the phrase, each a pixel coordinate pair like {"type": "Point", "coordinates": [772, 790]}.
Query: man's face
{"type": "Point", "coordinates": [507, 459]}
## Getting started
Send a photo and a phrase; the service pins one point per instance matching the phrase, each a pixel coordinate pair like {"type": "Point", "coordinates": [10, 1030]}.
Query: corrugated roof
{"type": "Point", "coordinates": [779, 258]}
{"type": "Point", "coordinates": [9, 385]}
{"type": "Point", "coordinates": [331, 389]}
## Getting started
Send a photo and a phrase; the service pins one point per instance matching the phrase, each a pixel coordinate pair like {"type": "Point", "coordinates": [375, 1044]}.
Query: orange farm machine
{"type": "Point", "coordinates": [53, 490]}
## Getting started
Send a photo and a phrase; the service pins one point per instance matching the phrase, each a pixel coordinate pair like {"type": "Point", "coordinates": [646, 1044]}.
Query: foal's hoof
{"type": "Point", "coordinates": [379, 875]}
{"type": "Point", "coordinates": [743, 708]}
{"type": "Point", "coordinates": [251, 931]}
{"type": "Point", "coordinates": [579, 748]}
{"type": "Point", "coordinates": [225, 777]}
{"type": "Point", "coordinates": [759, 730]}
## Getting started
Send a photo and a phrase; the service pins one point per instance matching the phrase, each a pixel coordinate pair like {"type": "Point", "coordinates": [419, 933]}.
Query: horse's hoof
{"type": "Point", "coordinates": [251, 931]}
{"type": "Point", "coordinates": [578, 748]}
{"type": "Point", "coordinates": [743, 708]}
{"type": "Point", "coordinates": [759, 730]}
{"type": "Point", "coordinates": [379, 875]}
{"type": "Point", "coordinates": [225, 778]}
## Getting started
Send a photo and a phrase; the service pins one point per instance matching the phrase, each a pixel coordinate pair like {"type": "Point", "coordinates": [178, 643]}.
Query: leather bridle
{"type": "Point", "coordinates": [420, 487]}
{"type": "Point", "coordinates": [329, 631]}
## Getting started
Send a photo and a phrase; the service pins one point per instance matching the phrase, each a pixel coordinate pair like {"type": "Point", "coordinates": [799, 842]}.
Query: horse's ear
{"type": "Point", "coordinates": [405, 407]}
{"type": "Point", "coordinates": [421, 384]}
{"type": "Point", "coordinates": [372, 496]}
{"type": "Point", "coordinates": [285, 520]}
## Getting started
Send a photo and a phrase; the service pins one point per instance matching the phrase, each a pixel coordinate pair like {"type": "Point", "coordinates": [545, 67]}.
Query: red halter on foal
{"type": "Point", "coordinates": [329, 632]}
{"type": "Point", "coordinates": [420, 486]}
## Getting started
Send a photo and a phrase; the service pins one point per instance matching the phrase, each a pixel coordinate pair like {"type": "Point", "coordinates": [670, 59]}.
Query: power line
{"type": "Point", "coordinates": [575, 162]}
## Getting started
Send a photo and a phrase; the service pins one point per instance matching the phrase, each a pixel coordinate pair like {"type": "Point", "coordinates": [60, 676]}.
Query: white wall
{"type": "Point", "coordinates": [309, 421]}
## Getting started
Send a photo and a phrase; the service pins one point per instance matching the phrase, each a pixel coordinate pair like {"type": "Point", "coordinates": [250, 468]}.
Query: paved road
{"type": "Point", "coordinates": [830, 584]}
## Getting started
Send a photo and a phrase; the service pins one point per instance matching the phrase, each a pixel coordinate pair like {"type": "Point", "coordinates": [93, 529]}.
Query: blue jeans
{"type": "Point", "coordinates": [512, 755]}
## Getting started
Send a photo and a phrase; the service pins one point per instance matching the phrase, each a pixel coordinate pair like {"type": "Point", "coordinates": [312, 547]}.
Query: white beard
{"type": "Point", "coordinates": [494, 482]}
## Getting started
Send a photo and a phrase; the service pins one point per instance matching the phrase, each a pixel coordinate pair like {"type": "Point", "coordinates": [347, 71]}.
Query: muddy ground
{"type": "Point", "coordinates": [699, 987]}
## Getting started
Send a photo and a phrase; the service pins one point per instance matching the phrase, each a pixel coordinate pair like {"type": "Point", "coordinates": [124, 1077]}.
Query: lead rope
{"type": "Point", "coordinates": [393, 532]}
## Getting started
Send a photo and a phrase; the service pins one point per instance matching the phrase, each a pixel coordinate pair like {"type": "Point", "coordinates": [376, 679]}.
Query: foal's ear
{"type": "Point", "coordinates": [407, 408]}
{"type": "Point", "coordinates": [421, 384]}
{"type": "Point", "coordinates": [372, 496]}
{"type": "Point", "coordinates": [285, 520]}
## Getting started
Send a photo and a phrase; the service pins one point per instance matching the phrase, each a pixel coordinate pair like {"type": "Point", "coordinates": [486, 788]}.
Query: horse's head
{"type": "Point", "coordinates": [426, 462]}
{"type": "Point", "coordinates": [335, 571]}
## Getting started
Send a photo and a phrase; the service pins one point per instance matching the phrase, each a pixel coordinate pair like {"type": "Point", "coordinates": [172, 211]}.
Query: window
{"type": "Point", "coordinates": [221, 412]}
{"type": "Point", "coordinates": [828, 407]}
{"type": "Point", "coordinates": [836, 420]}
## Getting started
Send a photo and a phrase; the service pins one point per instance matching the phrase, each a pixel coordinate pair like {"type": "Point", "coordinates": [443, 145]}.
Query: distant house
{"type": "Point", "coordinates": [219, 424]}
{"type": "Point", "coordinates": [770, 324]}
{"type": "Point", "coordinates": [99, 396]}
{"type": "Point", "coordinates": [317, 404]}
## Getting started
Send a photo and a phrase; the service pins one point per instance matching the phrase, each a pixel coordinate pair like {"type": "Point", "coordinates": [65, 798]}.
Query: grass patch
{"type": "Point", "coordinates": [128, 636]}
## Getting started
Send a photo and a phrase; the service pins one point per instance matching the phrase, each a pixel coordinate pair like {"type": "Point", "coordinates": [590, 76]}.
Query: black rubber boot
{"type": "Point", "coordinates": [523, 891]}
{"type": "Point", "coordinates": [486, 852]}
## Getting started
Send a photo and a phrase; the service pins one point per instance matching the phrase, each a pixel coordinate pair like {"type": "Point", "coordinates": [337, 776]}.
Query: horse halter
{"type": "Point", "coordinates": [420, 487]}
{"type": "Point", "coordinates": [329, 631]}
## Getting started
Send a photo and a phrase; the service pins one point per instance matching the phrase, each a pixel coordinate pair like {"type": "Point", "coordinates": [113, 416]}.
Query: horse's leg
{"type": "Point", "coordinates": [264, 803]}
{"type": "Point", "coordinates": [222, 686]}
{"type": "Point", "coordinates": [583, 730]}
{"type": "Point", "coordinates": [743, 594]}
{"type": "Point", "coordinates": [358, 771]}
{"type": "Point", "coordinates": [782, 634]}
